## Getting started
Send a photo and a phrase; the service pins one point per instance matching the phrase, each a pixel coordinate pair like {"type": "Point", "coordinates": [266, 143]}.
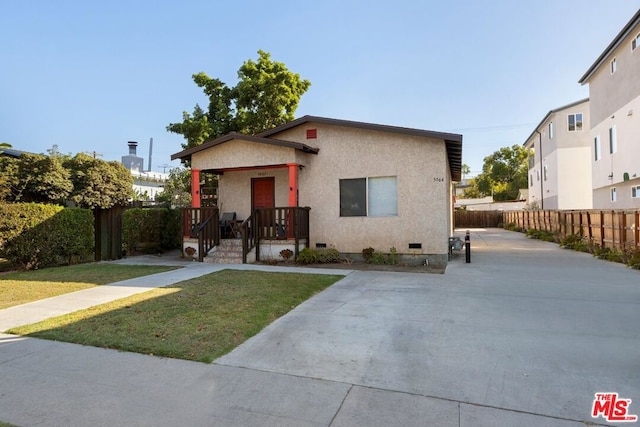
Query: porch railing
{"type": "Point", "coordinates": [203, 224]}
{"type": "Point", "coordinates": [279, 223]}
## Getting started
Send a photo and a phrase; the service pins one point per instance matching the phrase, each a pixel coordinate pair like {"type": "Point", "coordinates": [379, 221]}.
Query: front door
{"type": "Point", "coordinates": [263, 196]}
{"type": "Point", "coordinates": [262, 193]}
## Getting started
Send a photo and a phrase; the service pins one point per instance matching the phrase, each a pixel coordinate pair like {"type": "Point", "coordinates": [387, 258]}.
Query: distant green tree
{"type": "Point", "coordinates": [267, 95]}
{"type": "Point", "coordinates": [97, 183]}
{"type": "Point", "coordinates": [465, 170]}
{"type": "Point", "coordinates": [177, 190]}
{"type": "Point", "coordinates": [504, 173]}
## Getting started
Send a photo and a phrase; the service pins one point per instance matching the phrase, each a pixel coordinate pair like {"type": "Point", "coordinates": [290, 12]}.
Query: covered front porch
{"type": "Point", "coordinates": [257, 236]}
{"type": "Point", "coordinates": [257, 195]}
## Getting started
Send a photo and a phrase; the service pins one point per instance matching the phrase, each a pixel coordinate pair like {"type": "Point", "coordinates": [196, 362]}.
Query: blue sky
{"type": "Point", "coordinates": [90, 76]}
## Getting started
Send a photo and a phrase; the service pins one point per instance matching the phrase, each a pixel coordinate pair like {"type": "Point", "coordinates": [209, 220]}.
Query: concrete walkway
{"type": "Point", "coordinates": [523, 336]}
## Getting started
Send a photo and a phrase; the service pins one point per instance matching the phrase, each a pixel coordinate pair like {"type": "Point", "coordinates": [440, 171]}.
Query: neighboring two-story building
{"type": "Point", "coordinates": [560, 167]}
{"type": "Point", "coordinates": [614, 90]}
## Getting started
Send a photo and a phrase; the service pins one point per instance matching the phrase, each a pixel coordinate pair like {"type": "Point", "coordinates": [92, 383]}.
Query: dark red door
{"type": "Point", "coordinates": [262, 193]}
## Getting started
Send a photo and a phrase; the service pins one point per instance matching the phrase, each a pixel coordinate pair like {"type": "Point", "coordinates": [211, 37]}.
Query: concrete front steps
{"type": "Point", "coordinates": [229, 251]}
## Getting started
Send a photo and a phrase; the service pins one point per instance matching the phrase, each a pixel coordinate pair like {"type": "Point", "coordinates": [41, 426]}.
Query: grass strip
{"type": "Point", "coordinates": [26, 286]}
{"type": "Point", "coordinates": [199, 319]}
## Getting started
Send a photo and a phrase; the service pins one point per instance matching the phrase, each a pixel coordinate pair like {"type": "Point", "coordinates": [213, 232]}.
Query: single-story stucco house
{"type": "Point", "coordinates": [320, 182]}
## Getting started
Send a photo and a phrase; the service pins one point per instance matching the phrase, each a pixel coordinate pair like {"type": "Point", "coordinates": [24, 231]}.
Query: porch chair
{"type": "Point", "coordinates": [225, 224]}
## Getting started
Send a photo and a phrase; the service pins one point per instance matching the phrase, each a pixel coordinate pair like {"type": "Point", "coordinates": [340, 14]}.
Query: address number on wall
{"type": "Point", "coordinates": [438, 179]}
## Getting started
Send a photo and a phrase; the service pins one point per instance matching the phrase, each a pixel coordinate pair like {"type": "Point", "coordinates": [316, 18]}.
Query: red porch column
{"type": "Point", "coordinates": [293, 184]}
{"type": "Point", "coordinates": [195, 188]}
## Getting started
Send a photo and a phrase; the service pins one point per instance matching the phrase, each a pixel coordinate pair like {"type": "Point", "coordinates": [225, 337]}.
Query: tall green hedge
{"type": "Point", "coordinates": [150, 230]}
{"type": "Point", "coordinates": [37, 235]}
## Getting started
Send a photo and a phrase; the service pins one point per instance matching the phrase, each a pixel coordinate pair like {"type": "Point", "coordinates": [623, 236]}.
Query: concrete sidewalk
{"type": "Point", "coordinates": [523, 336]}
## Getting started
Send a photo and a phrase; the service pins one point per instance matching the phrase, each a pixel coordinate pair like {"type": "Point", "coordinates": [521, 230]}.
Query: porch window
{"type": "Point", "coordinates": [376, 196]}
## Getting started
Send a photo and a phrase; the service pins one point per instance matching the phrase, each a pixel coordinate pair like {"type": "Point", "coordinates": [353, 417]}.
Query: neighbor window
{"type": "Point", "coordinates": [635, 42]}
{"type": "Point", "coordinates": [530, 180]}
{"type": "Point", "coordinates": [613, 140]}
{"type": "Point", "coordinates": [369, 196]}
{"type": "Point", "coordinates": [545, 172]}
{"type": "Point", "coordinates": [635, 191]}
{"type": "Point", "coordinates": [614, 65]}
{"type": "Point", "coordinates": [537, 175]}
{"type": "Point", "coordinates": [614, 195]}
{"type": "Point", "coordinates": [575, 122]}
{"type": "Point", "coordinates": [550, 130]}
{"type": "Point", "coordinates": [597, 154]}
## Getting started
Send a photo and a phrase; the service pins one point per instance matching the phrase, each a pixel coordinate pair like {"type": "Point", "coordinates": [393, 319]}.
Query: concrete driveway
{"type": "Point", "coordinates": [524, 335]}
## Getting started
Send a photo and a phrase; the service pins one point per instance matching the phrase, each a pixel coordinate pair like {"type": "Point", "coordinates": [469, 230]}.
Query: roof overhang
{"type": "Point", "coordinates": [453, 142]}
{"type": "Point", "coordinates": [186, 154]}
{"type": "Point", "coordinates": [612, 46]}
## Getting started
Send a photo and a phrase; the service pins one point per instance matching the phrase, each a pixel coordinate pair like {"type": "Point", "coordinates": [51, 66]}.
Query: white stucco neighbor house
{"type": "Point", "coordinates": [354, 185]}
{"type": "Point", "coordinates": [614, 91]}
{"type": "Point", "coordinates": [560, 167]}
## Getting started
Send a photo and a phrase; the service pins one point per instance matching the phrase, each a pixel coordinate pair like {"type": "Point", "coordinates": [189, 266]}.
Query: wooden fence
{"type": "Point", "coordinates": [608, 229]}
{"type": "Point", "coordinates": [477, 219]}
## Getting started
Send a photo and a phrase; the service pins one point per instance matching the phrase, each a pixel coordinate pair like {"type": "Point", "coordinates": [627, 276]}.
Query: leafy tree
{"type": "Point", "coordinates": [34, 178]}
{"type": "Point", "coordinates": [99, 184]}
{"type": "Point", "coordinates": [267, 95]}
{"type": "Point", "coordinates": [504, 173]}
{"type": "Point", "coordinates": [177, 190]}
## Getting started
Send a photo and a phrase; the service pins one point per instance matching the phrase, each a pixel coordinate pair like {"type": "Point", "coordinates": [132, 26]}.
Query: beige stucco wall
{"type": "Point", "coordinates": [240, 153]}
{"type": "Point", "coordinates": [234, 191]}
{"type": "Point", "coordinates": [419, 164]}
{"type": "Point", "coordinates": [423, 185]}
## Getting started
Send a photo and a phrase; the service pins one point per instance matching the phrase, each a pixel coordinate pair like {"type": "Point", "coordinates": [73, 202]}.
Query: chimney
{"type": "Point", "coordinates": [132, 147]}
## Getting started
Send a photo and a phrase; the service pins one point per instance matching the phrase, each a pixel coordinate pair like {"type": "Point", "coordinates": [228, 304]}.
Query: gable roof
{"type": "Point", "coordinates": [186, 154]}
{"type": "Point", "coordinates": [453, 142]}
{"type": "Point", "coordinates": [612, 46]}
{"type": "Point", "coordinates": [555, 110]}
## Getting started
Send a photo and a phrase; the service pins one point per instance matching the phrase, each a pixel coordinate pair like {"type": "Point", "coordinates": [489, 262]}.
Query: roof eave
{"type": "Point", "coordinates": [617, 40]}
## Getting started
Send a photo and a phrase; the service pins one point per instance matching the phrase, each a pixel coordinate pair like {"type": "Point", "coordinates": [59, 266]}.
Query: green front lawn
{"type": "Point", "coordinates": [22, 287]}
{"type": "Point", "coordinates": [199, 319]}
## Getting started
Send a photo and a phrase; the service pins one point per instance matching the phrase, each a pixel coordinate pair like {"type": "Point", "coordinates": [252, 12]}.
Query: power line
{"type": "Point", "coordinates": [492, 128]}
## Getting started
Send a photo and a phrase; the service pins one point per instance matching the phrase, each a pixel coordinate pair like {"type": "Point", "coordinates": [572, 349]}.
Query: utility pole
{"type": "Point", "coordinates": [94, 154]}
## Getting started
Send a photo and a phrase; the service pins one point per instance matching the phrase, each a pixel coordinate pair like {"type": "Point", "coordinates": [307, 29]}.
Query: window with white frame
{"type": "Point", "coordinates": [530, 180]}
{"type": "Point", "coordinates": [575, 122]}
{"type": "Point", "coordinates": [613, 139]}
{"type": "Point", "coordinates": [635, 42]}
{"type": "Point", "coordinates": [550, 130]}
{"type": "Point", "coordinates": [614, 195]}
{"type": "Point", "coordinates": [369, 196]}
{"type": "Point", "coordinates": [613, 65]}
{"type": "Point", "coordinates": [635, 191]}
{"type": "Point", "coordinates": [537, 175]}
{"type": "Point", "coordinates": [544, 172]}
{"type": "Point", "coordinates": [597, 153]}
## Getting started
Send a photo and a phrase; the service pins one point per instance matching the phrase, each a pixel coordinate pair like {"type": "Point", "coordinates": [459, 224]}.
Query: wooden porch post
{"type": "Point", "coordinates": [293, 184]}
{"type": "Point", "coordinates": [195, 188]}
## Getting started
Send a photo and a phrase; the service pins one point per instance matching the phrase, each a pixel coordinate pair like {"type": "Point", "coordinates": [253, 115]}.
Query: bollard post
{"type": "Point", "coordinates": [467, 247]}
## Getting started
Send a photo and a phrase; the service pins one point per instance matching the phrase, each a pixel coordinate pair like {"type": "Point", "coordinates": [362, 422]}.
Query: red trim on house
{"type": "Point", "coordinates": [251, 168]}
{"type": "Point", "coordinates": [195, 188]}
{"type": "Point", "coordinates": [293, 184]}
